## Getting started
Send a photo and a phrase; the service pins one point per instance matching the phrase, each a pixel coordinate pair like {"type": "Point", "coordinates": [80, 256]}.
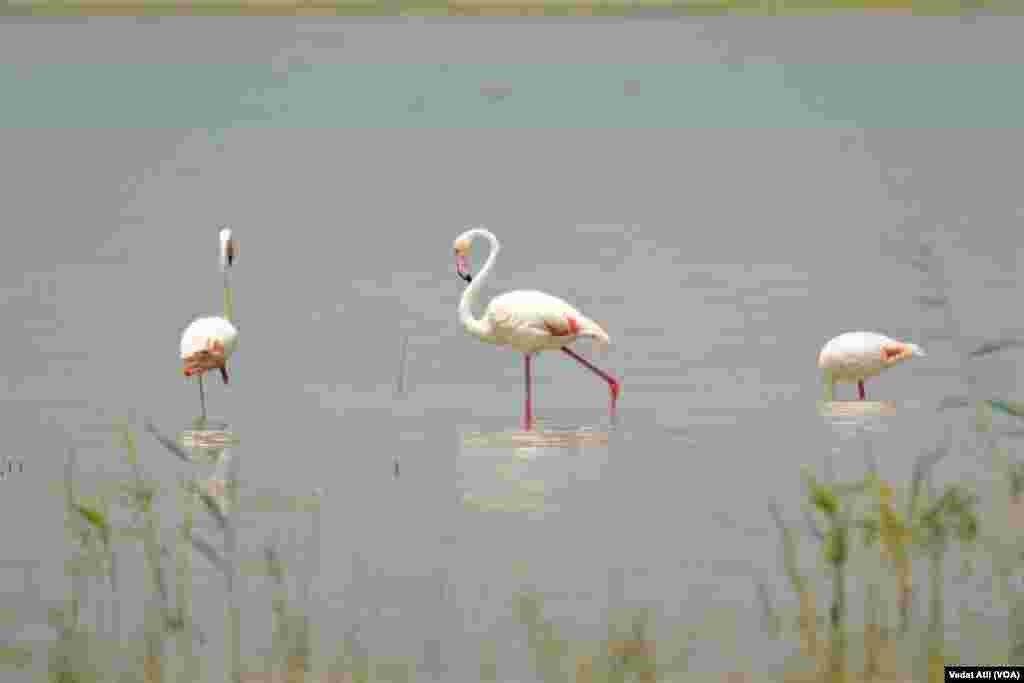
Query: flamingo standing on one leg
{"type": "Point", "coordinates": [525, 320]}
{"type": "Point", "coordinates": [208, 342]}
{"type": "Point", "coordinates": [855, 356]}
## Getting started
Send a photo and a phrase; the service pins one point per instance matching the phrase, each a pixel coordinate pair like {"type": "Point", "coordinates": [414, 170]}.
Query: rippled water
{"type": "Point", "coordinates": [719, 260]}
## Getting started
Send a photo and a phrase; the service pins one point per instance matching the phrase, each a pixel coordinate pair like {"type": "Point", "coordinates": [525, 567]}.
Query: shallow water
{"type": "Point", "coordinates": [718, 258]}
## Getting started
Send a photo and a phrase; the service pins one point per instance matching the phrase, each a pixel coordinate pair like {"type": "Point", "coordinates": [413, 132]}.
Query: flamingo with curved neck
{"type": "Point", "coordinates": [208, 342]}
{"type": "Point", "coordinates": [525, 320]}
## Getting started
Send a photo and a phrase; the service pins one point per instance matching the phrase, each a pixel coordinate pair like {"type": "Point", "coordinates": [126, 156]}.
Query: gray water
{"type": "Point", "coordinates": [719, 260]}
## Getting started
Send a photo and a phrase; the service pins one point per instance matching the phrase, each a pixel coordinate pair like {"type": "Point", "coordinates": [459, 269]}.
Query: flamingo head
{"type": "Point", "coordinates": [462, 244]}
{"type": "Point", "coordinates": [208, 358]}
{"type": "Point", "coordinates": [899, 352]}
{"type": "Point", "coordinates": [228, 249]}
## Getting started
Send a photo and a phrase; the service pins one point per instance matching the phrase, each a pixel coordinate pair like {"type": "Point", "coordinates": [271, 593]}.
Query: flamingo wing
{"type": "Point", "coordinates": [538, 319]}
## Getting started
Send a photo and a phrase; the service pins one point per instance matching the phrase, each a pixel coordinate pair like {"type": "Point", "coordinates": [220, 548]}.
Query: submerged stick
{"type": "Point", "coordinates": [402, 357]}
{"type": "Point", "coordinates": [995, 346]}
{"type": "Point", "coordinates": [166, 442]}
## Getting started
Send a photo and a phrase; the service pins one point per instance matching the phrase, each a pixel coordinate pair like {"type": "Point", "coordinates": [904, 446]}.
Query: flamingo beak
{"type": "Point", "coordinates": [462, 266]}
{"type": "Point", "coordinates": [224, 373]}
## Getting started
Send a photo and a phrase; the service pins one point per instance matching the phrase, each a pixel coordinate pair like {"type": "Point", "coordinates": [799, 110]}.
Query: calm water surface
{"type": "Point", "coordinates": [718, 259]}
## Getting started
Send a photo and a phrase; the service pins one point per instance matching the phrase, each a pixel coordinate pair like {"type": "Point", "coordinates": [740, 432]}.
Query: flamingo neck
{"type": "Point", "coordinates": [478, 327]}
{"type": "Point", "coordinates": [225, 269]}
{"type": "Point", "coordinates": [227, 297]}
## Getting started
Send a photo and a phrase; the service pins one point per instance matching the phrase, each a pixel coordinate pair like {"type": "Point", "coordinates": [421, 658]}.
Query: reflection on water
{"type": "Point", "coordinates": [207, 440]}
{"type": "Point", "coordinates": [856, 412]}
{"type": "Point", "coordinates": [855, 421]}
{"type": "Point", "coordinates": [522, 471]}
{"type": "Point", "coordinates": [856, 427]}
{"type": "Point", "coordinates": [544, 436]}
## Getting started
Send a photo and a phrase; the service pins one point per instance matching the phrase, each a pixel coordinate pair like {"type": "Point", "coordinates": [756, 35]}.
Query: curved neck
{"type": "Point", "coordinates": [479, 328]}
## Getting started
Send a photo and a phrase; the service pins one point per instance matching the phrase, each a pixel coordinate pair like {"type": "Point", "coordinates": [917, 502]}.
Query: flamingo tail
{"type": "Point", "coordinates": [588, 328]}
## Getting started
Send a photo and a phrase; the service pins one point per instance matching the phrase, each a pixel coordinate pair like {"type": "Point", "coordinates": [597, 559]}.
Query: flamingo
{"type": "Point", "coordinates": [855, 356]}
{"type": "Point", "coordinates": [208, 342]}
{"type": "Point", "coordinates": [525, 320]}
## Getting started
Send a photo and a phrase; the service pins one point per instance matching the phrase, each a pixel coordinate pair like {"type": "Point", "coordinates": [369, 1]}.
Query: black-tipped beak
{"type": "Point", "coordinates": [462, 267]}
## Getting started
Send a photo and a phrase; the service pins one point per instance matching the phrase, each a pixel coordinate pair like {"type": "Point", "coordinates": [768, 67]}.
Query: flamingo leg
{"type": "Point", "coordinates": [202, 397]}
{"type": "Point", "coordinates": [860, 389]}
{"type": "Point", "coordinates": [613, 385]}
{"type": "Point", "coordinates": [528, 415]}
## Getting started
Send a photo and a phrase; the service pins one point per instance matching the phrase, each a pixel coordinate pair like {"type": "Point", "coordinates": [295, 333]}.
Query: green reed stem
{"type": "Point", "coordinates": [837, 613]}
{"type": "Point", "coordinates": [1016, 629]}
{"type": "Point", "coordinates": [872, 632]}
{"type": "Point", "coordinates": [936, 633]}
{"type": "Point", "coordinates": [190, 665]}
{"type": "Point", "coordinates": [143, 494]}
{"type": "Point", "coordinates": [488, 662]}
{"type": "Point", "coordinates": [789, 552]}
{"type": "Point", "coordinates": [155, 613]}
{"type": "Point", "coordinates": [233, 625]}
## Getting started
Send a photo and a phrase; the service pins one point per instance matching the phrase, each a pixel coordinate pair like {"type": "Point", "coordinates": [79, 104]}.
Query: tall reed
{"type": "Point", "coordinates": [808, 618]}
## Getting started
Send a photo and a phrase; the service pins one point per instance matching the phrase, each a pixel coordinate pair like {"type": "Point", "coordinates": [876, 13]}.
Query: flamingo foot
{"type": "Point", "coordinates": [613, 384]}
{"type": "Point", "coordinates": [613, 389]}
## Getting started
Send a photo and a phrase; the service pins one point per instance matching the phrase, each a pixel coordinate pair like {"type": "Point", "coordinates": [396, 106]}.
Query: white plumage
{"type": "Point", "coordinates": [206, 333]}
{"type": "Point", "coordinates": [530, 321]}
{"type": "Point", "coordinates": [853, 357]}
{"type": "Point", "coordinates": [525, 320]}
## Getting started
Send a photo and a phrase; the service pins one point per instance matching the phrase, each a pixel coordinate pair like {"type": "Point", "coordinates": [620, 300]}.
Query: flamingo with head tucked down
{"type": "Point", "coordinates": [208, 342]}
{"type": "Point", "coordinates": [525, 320]}
{"type": "Point", "coordinates": [856, 356]}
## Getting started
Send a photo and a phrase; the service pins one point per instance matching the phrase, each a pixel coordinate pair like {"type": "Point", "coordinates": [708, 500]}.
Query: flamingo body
{"type": "Point", "coordinates": [853, 357]}
{"type": "Point", "coordinates": [207, 343]}
{"type": "Point", "coordinates": [530, 321]}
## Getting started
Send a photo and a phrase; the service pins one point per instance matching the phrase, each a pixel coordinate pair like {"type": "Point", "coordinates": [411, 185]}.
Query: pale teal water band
{"type": "Point", "coordinates": [535, 96]}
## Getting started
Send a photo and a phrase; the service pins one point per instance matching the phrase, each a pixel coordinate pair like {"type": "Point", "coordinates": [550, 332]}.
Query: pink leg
{"type": "Point", "coordinates": [613, 385]}
{"type": "Point", "coordinates": [528, 416]}
{"type": "Point", "coordinates": [860, 388]}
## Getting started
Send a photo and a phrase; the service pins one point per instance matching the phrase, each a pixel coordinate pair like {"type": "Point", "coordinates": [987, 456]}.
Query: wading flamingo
{"type": "Point", "coordinates": [525, 320]}
{"type": "Point", "coordinates": [855, 356]}
{"type": "Point", "coordinates": [208, 342]}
